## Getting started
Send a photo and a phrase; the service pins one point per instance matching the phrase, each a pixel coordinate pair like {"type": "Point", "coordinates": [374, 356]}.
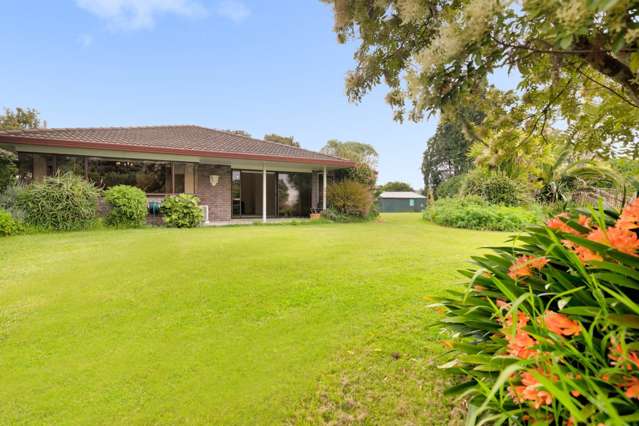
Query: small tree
{"type": "Point", "coordinates": [21, 118]}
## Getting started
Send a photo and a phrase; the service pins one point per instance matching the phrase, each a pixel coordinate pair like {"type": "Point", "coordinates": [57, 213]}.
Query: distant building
{"type": "Point", "coordinates": [405, 201]}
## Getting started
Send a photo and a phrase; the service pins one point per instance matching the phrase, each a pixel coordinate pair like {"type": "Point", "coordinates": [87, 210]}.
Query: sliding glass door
{"type": "Point", "coordinates": [287, 194]}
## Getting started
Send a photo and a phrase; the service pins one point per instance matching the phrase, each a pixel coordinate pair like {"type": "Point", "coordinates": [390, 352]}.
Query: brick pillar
{"type": "Point", "coordinates": [217, 197]}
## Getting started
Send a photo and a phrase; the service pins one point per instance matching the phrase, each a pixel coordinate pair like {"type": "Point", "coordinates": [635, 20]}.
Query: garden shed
{"type": "Point", "coordinates": [405, 201]}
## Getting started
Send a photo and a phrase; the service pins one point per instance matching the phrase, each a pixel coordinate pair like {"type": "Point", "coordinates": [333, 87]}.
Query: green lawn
{"type": "Point", "coordinates": [276, 324]}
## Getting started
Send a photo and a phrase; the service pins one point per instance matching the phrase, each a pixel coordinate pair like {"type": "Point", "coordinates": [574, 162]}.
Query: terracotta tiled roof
{"type": "Point", "coordinates": [180, 140]}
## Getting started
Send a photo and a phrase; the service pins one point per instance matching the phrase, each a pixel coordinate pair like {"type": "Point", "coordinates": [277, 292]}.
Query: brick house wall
{"type": "Point", "coordinates": [217, 197]}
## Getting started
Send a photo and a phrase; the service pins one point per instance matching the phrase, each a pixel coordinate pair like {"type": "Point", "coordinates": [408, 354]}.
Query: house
{"type": "Point", "coordinates": [405, 201]}
{"type": "Point", "coordinates": [234, 176]}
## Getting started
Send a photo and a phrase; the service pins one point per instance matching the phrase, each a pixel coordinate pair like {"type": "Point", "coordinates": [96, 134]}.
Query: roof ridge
{"type": "Point", "coordinates": [39, 129]}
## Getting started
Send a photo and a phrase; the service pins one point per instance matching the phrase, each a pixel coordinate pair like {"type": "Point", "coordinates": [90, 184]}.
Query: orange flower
{"type": "Point", "coordinates": [529, 390]}
{"type": "Point", "coordinates": [479, 288]}
{"type": "Point", "coordinates": [586, 255]}
{"type": "Point", "coordinates": [622, 240]}
{"type": "Point", "coordinates": [559, 225]}
{"type": "Point", "coordinates": [561, 324]}
{"type": "Point", "coordinates": [575, 393]}
{"type": "Point", "coordinates": [520, 345]}
{"type": "Point", "coordinates": [584, 221]}
{"type": "Point", "coordinates": [629, 218]}
{"type": "Point", "coordinates": [522, 320]}
{"type": "Point", "coordinates": [632, 387]}
{"type": "Point", "coordinates": [619, 358]}
{"type": "Point", "coordinates": [524, 266]}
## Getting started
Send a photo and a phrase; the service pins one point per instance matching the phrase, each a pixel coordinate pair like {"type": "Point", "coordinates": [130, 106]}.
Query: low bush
{"type": "Point", "coordinates": [494, 188]}
{"type": "Point", "coordinates": [475, 213]}
{"type": "Point", "coordinates": [8, 225]}
{"type": "Point", "coordinates": [127, 206]}
{"type": "Point", "coordinates": [547, 330]}
{"type": "Point", "coordinates": [63, 202]}
{"type": "Point", "coordinates": [182, 211]}
{"type": "Point", "coordinates": [350, 198]}
{"type": "Point", "coordinates": [450, 187]}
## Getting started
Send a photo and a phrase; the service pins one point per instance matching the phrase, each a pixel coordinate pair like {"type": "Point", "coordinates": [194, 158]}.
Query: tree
{"type": "Point", "coordinates": [8, 169]}
{"type": "Point", "coordinates": [239, 132]}
{"type": "Point", "coordinates": [286, 140]}
{"type": "Point", "coordinates": [395, 187]}
{"type": "Point", "coordinates": [21, 118]}
{"type": "Point", "coordinates": [446, 154]}
{"type": "Point", "coordinates": [433, 54]}
{"type": "Point", "coordinates": [364, 155]}
{"type": "Point", "coordinates": [355, 151]}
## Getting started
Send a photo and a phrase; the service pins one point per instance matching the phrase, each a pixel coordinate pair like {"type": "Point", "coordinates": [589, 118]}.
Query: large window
{"type": "Point", "coordinates": [294, 194]}
{"type": "Point", "coordinates": [151, 177]}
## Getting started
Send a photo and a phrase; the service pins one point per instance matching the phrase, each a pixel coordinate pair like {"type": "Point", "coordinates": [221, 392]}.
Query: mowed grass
{"type": "Point", "coordinates": [285, 324]}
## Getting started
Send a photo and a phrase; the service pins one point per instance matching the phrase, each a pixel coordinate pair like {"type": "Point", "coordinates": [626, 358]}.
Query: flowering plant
{"type": "Point", "coordinates": [547, 331]}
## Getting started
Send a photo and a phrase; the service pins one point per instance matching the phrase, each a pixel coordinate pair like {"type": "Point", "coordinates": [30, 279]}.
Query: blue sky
{"type": "Point", "coordinates": [262, 66]}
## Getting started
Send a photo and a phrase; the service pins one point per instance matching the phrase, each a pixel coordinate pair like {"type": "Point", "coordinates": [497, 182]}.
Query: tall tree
{"type": "Point", "coordinates": [21, 118]}
{"type": "Point", "coordinates": [355, 151]}
{"type": "Point", "coordinates": [364, 155]}
{"type": "Point", "coordinates": [446, 154]}
{"type": "Point", "coordinates": [286, 140]}
{"type": "Point", "coordinates": [433, 54]}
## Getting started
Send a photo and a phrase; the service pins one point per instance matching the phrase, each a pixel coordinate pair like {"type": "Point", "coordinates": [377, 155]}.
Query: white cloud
{"type": "Point", "coordinates": [234, 10]}
{"type": "Point", "coordinates": [85, 40]}
{"type": "Point", "coordinates": [139, 14]}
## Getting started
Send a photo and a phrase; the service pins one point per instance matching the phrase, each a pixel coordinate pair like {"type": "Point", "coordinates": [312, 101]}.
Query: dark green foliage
{"type": "Point", "coordinates": [63, 202]}
{"type": "Point", "coordinates": [127, 206]}
{"type": "Point", "coordinates": [475, 213]}
{"type": "Point", "coordinates": [8, 169]}
{"type": "Point", "coordinates": [450, 187]}
{"type": "Point", "coordinates": [576, 332]}
{"type": "Point", "coordinates": [492, 187]}
{"type": "Point", "coordinates": [9, 201]}
{"type": "Point", "coordinates": [446, 154]}
{"type": "Point", "coordinates": [394, 187]}
{"type": "Point", "coordinates": [8, 225]}
{"type": "Point", "coordinates": [361, 173]}
{"type": "Point", "coordinates": [350, 198]}
{"type": "Point", "coordinates": [182, 211]}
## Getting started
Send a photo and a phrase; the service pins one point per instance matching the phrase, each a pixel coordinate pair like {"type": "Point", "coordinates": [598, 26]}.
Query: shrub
{"type": "Point", "coordinates": [350, 198]}
{"type": "Point", "coordinates": [182, 211]}
{"type": "Point", "coordinates": [450, 187]}
{"type": "Point", "coordinates": [547, 331]}
{"type": "Point", "coordinates": [494, 188]}
{"type": "Point", "coordinates": [8, 225]}
{"type": "Point", "coordinates": [9, 201]}
{"type": "Point", "coordinates": [62, 202]}
{"type": "Point", "coordinates": [127, 206]}
{"type": "Point", "coordinates": [475, 213]}
{"type": "Point", "coordinates": [8, 169]}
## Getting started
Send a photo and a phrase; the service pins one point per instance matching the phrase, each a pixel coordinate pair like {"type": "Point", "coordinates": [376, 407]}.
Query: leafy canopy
{"type": "Point", "coordinates": [286, 140]}
{"type": "Point", "coordinates": [431, 53]}
{"type": "Point", "coordinates": [21, 118]}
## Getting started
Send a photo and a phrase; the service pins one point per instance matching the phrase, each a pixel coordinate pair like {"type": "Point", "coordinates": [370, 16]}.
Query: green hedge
{"type": "Point", "coordinates": [182, 211]}
{"type": "Point", "coordinates": [63, 202]}
{"type": "Point", "coordinates": [547, 330]}
{"type": "Point", "coordinates": [475, 213]}
{"type": "Point", "coordinates": [128, 206]}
